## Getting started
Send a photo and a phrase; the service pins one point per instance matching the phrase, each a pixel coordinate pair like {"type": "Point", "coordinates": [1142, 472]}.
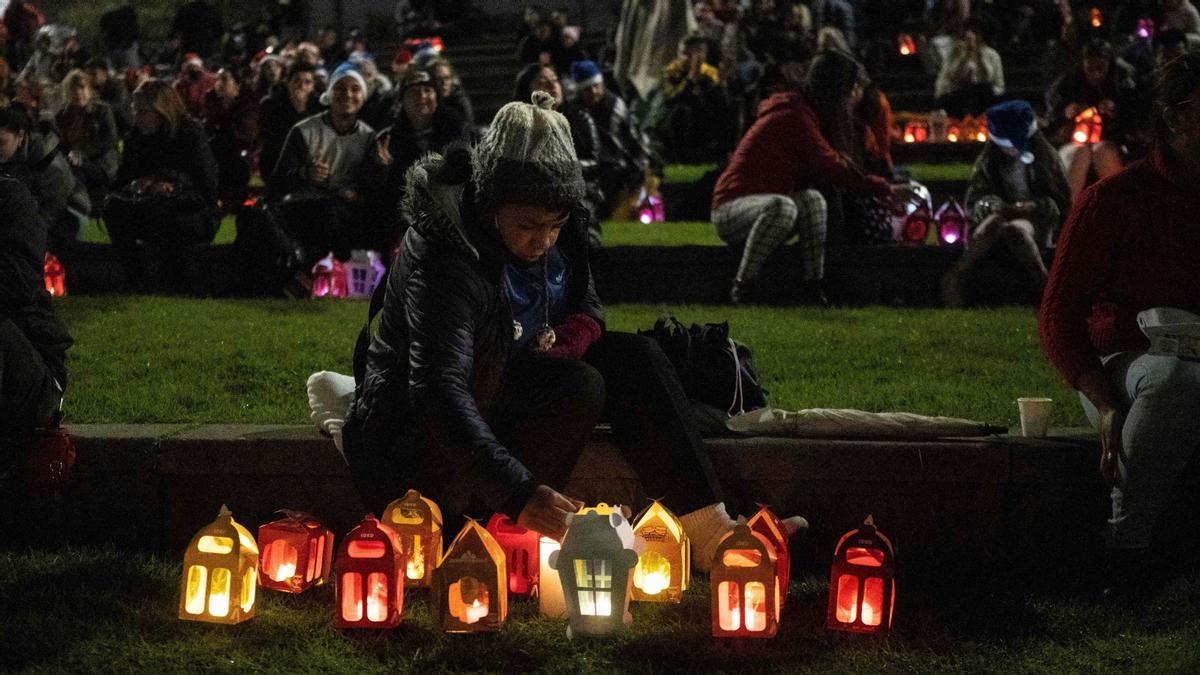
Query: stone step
{"type": "Point", "coordinates": [153, 486]}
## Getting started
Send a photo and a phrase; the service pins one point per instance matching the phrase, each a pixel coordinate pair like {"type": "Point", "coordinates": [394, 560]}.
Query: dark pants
{"type": "Point", "coordinates": [28, 395]}
{"type": "Point", "coordinates": [549, 409]}
{"type": "Point", "coordinates": [173, 228]}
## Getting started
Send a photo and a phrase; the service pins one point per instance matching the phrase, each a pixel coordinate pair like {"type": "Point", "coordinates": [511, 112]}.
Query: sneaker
{"type": "Point", "coordinates": [329, 397]}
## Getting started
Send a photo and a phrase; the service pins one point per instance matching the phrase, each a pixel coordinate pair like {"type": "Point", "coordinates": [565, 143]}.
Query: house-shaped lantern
{"type": "Point", "coordinates": [296, 553]}
{"type": "Point", "coordinates": [746, 597]}
{"type": "Point", "coordinates": [766, 523]}
{"type": "Point", "coordinates": [520, 548]}
{"type": "Point", "coordinates": [664, 564]}
{"type": "Point", "coordinates": [364, 271]}
{"type": "Point", "coordinates": [550, 590]}
{"type": "Point", "coordinates": [862, 587]}
{"type": "Point", "coordinates": [220, 568]}
{"type": "Point", "coordinates": [952, 224]}
{"type": "Point", "coordinates": [594, 566]}
{"type": "Point", "coordinates": [54, 276]}
{"type": "Point", "coordinates": [329, 278]}
{"type": "Point", "coordinates": [417, 521]}
{"type": "Point", "coordinates": [369, 573]}
{"type": "Point", "coordinates": [470, 584]}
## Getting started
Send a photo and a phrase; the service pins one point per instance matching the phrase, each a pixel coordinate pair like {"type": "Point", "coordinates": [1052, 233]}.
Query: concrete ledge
{"type": "Point", "coordinates": [153, 486]}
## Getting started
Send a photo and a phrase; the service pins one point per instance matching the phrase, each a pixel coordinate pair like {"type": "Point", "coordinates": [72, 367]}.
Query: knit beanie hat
{"type": "Point", "coordinates": [527, 155]}
{"type": "Point", "coordinates": [342, 72]}
{"type": "Point", "coordinates": [1010, 125]}
{"type": "Point", "coordinates": [586, 73]}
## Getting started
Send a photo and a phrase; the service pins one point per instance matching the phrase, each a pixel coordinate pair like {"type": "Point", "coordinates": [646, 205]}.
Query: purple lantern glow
{"type": "Point", "coordinates": [1145, 28]}
{"type": "Point", "coordinates": [952, 224]}
{"type": "Point", "coordinates": [650, 208]}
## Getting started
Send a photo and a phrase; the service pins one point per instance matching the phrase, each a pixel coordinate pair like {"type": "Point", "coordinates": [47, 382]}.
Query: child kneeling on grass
{"type": "Point", "coordinates": [491, 365]}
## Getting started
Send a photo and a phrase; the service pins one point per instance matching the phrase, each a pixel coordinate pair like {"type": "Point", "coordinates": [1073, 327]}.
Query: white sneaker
{"type": "Point", "coordinates": [329, 396]}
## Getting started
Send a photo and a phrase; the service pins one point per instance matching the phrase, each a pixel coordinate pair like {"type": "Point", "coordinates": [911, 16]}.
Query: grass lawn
{"type": "Point", "coordinates": [87, 610]}
{"type": "Point", "coordinates": [937, 172]}
{"type": "Point", "coordinates": [155, 359]}
{"type": "Point", "coordinates": [93, 232]}
{"type": "Point", "coordinates": [671, 233]}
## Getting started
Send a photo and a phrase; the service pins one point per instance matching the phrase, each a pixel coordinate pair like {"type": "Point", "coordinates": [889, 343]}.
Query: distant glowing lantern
{"type": "Point", "coordinates": [520, 548]}
{"type": "Point", "coordinates": [915, 132]}
{"type": "Point", "coordinates": [329, 278]}
{"type": "Point", "coordinates": [1145, 28]}
{"type": "Point", "coordinates": [907, 46]}
{"type": "Point", "coordinates": [417, 521]}
{"type": "Point", "coordinates": [862, 587]}
{"type": "Point", "coordinates": [766, 523]}
{"type": "Point", "coordinates": [369, 577]}
{"type": "Point", "coordinates": [650, 207]}
{"type": "Point", "coordinates": [664, 565]}
{"type": "Point", "coordinates": [1097, 18]}
{"type": "Point", "coordinates": [917, 226]}
{"type": "Point", "coordinates": [953, 134]}
{"type": "Point", "coordinates": [470, 584]}
{"type": "Point", "coordinates": [746, 593]}
{"type": "Point", "coordinates": [364, 271]}
{"type": "Point", "coordinates": [220, 568]}
{"type": "Point", "coordinates": [952, 224]}
{"type": "Point", "coordinates": [594, 565]}
{"type": "Point", "coordinates": [296, 553]}
{"type": "Point", "coordinates": [55, 276]}
{"type": "Point", "coordinates": [550, 591]}
{"type": "Point", "coordinates": [1089, 125]}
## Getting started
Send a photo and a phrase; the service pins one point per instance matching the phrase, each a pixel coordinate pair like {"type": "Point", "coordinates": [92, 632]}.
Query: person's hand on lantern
{"type": "Point", "coordinates": [546, 512]}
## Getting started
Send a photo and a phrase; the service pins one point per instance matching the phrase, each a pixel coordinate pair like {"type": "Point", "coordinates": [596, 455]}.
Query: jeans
{"type": "Point", "coordinates": [1160, 396]}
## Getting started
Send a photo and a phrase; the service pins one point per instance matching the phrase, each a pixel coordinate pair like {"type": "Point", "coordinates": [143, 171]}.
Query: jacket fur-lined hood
{"type": "Point", "coordinates": [433, 197]}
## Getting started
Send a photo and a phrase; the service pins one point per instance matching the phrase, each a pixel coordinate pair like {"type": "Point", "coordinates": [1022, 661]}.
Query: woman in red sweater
{"type": "Point", "coordinates": [1132, 243]}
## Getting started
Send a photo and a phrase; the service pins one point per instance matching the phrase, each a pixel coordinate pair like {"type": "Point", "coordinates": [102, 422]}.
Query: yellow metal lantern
{"type": "Point", "coordinates": [417, 522]}
{"type": "Point", "coordinates": [470, 585]}
{"type": "Point", "coordinates": [220, 573]}
{"type": "Point", "coordinates": [664, 565]}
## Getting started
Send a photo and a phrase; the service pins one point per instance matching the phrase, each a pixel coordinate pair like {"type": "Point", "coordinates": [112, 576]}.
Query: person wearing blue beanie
{"type": "Point", "coordinates": [1018, 194]}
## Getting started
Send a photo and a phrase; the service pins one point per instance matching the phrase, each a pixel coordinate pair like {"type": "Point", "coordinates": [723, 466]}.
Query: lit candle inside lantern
{"type": "Point", "coordinates": [550, 592]}
{"type": "Point", "coordinates": [377, 608]}
{"type": "Point", "coordinates": [416, 565]}
{"type": "Point", "coordinates": [476, 611]}
{"type": "Point", "coordinates": [284, 571]}
{"type": "Point", "coordinates": [756, 611]}
{"type": "Point", "coordinates": [653, 583]}
{"type": "Point", "coordinates": [868, 614]}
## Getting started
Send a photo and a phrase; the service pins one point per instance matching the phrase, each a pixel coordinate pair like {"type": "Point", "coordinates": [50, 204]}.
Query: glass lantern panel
{"type": "Point", "coordinates": [210, 544]}
{"type": "Point", "coordinates": [729, 606]}
{"type": "Point", "coordinates": [865, 557]}
{"type": "Point", "coordinates": [352, 596]}
{"type": "Point", "coordinates": [218, 592]}
{"type": "Point", "coordinates": [279, 560]}
{"type": "Point", "coordinates": [366, 548]}
{"type": "Point", "coordinates": [741, 558]}
{"type": "Point", "coordinates": [248, 585]}
{"type": "Point", "coordinates": [194, 596]}
{"type": "Point", "coordinates": [847, 598]}
{"type": "Point", "coordinates": [872, 604]}
{"type": "Point", "coordinates": [756, 606]}
{"type": "Point", "coordinates": [377, 596]}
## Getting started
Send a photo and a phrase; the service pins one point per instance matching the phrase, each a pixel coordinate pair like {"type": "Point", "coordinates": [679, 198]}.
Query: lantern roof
{"type": "Point", "coordinates": [664, 515]}
{"type": "Point", "coordinates": [867, 531]}
{"type": "Point", "coordinates": [741, 536]}
{"type": "Point", "coordinates": [366, 529]}
{"type": "Point", "coordinates": [771, 521]}
{"type": "Point", "coordinates": [596, 531]}
{"type": "Point", "coordinates": [473, 539]}
{"type": "Point", "coordinates": [226, 526]}
{"type": "Point", "coordinates": [413, 500]}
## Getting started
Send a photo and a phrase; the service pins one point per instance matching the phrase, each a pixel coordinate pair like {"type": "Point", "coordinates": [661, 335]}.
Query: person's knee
{"type": "Point", "coordinates": [1177, 380]}
{"type": "Point", "coordinates": [584, 387]}
{"type": "Point", "coordinates": [1013, 233]}
{"type": "Point", "coordinates": [781, 209]}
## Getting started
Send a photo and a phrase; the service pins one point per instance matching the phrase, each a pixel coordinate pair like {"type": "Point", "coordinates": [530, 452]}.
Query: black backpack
{"type": "Point", "coordinates": [714, 368]}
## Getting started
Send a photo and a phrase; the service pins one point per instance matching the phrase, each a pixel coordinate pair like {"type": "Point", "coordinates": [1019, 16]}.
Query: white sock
{"type": "Point", "coordinates": [705, 528]}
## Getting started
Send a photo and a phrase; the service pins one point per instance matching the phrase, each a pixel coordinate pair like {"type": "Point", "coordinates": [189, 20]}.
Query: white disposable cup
{"type": "Point", "coordinates": [1035, 415]}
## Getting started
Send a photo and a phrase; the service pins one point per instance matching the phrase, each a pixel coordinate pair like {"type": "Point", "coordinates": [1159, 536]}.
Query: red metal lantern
{"type": "Point", "coordinates": [55, 276]}
{"type": "Point", "coordinates": [370, 577]}
{"type": "Point", "coordinates": [520, 548]}
{"type": "Point", "coordinates": [952, 224]}
{"type": "Point", "coordinates": [1089, 124]}
{"type": "Point", "coordinates": [746, 595]}
{"type": "Point", "coordinates": [862, 586]}
{"type": "Point", "coordinates": [917, 226]}
{"type": "Point", "coordinates": [766, 523]}
{"type": "Point", "coordinates": [295, 553]}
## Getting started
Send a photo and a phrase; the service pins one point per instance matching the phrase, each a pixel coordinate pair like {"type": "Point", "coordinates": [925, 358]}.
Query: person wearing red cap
{"type": "Point", "coordinates": [193, 84]}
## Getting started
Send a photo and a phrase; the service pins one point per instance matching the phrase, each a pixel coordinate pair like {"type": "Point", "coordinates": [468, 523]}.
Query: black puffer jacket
{"type": "Point", "coordinates": [436, 366]}
{"type": "Point", "coordinates": [23, 296]}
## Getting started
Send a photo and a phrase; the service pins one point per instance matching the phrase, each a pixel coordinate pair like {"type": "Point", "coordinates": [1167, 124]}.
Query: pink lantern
{"type": "Point", "coordinates": [650, 207]}
{"type": "Point", "coordinates": [329, 278]}
{"type": "Point", "coordinates": [952, 224]}
{"type": "Point", "coordinates": [917, 226]}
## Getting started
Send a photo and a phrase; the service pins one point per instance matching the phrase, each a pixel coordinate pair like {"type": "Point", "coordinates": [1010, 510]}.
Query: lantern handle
{"type": "Point", "coordinates": [224, 512]}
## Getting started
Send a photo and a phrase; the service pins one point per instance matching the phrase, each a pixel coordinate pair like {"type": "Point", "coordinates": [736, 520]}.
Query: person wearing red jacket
{"type": "Point", "coordinates": [1131, 244]}
{"type": "Point", "coordinates": [769, 190]}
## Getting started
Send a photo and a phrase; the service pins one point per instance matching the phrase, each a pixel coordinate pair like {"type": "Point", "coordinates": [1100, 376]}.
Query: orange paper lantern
{"type": "Point", "coordinates": [370, 577]}
{"type": "Point", "coordinates": [470, 585]}
{"type": "Point", "coordinates": [219, 570]}
{"type": "Point", "coordinates": [664, 567]}
{"type": "Point", "coordinates": [862, 587]}
{"type": "Point", "coordinates": [746, 595]}
{"type": "Point", "coordinates": [907, 46]}
{"type": "Point", "coordinates": [296, 553]}
{"type": "Point", "coordinates": [417, 522]}
{"type": "Point", "coordinates": [521, 549]}
{"type": "Point", "coordinates": [1089, 125]}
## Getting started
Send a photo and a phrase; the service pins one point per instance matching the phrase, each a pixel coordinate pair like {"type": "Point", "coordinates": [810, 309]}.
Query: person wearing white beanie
{"type": "Point", "coordinates": [491, 366]}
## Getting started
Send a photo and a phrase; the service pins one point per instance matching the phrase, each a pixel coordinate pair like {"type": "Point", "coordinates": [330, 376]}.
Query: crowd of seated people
{"type": "Point", "coordinates": [158, 148]}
